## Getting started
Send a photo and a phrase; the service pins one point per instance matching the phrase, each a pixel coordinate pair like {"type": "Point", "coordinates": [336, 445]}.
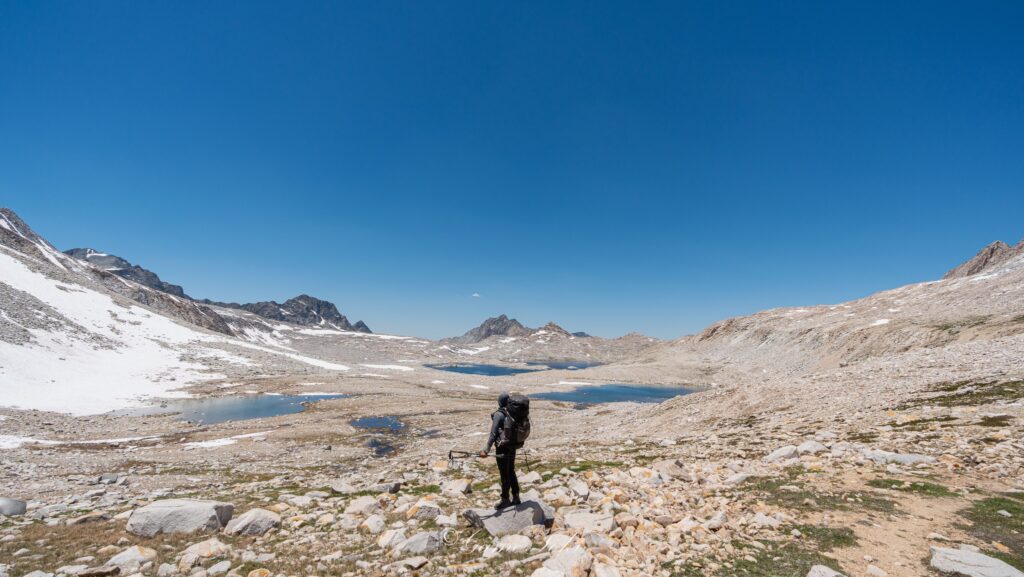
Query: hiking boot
{"type": "Point", "coordinates": [516, 501]}
{"type": "Point", "coordinates": [504, 504]}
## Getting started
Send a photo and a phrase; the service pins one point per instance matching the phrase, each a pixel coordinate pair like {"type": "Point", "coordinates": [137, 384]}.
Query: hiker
{"type": "Point", "coordinates": [510, 427]}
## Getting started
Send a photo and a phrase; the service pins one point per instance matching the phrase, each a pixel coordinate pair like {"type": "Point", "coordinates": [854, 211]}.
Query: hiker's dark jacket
{"type": "Point", "coordinates": [497, 423]}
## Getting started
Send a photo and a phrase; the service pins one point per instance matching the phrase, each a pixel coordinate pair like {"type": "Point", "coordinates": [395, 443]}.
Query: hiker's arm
{"type": "Point", "coordinates": [495, 427]}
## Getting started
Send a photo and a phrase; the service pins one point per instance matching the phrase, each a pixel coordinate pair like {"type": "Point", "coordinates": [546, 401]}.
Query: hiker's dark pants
{"type": "Point", "coordinates": [507, 470]}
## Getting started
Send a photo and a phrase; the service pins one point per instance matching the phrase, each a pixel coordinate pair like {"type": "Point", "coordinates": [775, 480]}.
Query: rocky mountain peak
{"type": "Point", "coordinates": [123, 268]}
{"type": "Point", "coordinates": [987, 258]}
{"type": "Point", "coordinates": [495, 326]}
{"type": "Point", "coordinates": [303, 310]}
{"type": "Point", "coordinates": [551, 327]}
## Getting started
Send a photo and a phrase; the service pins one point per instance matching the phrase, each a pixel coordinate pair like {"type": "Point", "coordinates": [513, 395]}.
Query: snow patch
{"type": "Point", "coordinates": [387, 367]}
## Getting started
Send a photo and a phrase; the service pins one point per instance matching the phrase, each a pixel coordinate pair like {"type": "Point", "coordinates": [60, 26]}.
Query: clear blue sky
{"type": "Point", "coordinates": [612, 167]}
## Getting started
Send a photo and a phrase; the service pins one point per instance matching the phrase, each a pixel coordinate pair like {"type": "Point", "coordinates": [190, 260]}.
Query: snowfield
{"type": "Point", "coordinates": [103, 355]}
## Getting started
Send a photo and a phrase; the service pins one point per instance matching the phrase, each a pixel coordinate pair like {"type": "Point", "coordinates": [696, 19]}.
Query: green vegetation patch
{"type": "Point", "coordinates": [862, 437]}
{"type": "Point", "coordinates": [995, 420]}
{"type": "Point", "coordinates": [971, 393]}
{"type": "Point", "coordinates": [955, 326]}
{"type": "Point", "coordinates": [828, 538]}
{"type": "Point", "coordinates": [924, 488]}
{"type": "Point", "coordinates": [991, 526]}
{"type": "Point", "coordinates": [423, 490]}
{"type": "Point", "coordinates": [791, 492]}
{"type": "Point", "coordinates": [789, 560]}
{"type": "Point", "coordinates": [923, 424]}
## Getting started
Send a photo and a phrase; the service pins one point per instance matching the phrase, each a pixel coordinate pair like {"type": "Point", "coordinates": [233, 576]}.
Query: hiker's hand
{"type": "Point", "coordinates": [483, 454]}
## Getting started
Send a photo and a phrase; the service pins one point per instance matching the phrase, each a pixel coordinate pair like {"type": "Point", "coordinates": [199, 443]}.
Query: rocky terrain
{"type": "Point", "coordinates": [880, 437]}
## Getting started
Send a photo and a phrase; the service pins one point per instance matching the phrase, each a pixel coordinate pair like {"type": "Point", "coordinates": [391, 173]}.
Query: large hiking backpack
{"type": "Point", "coordinates": [517, 422]}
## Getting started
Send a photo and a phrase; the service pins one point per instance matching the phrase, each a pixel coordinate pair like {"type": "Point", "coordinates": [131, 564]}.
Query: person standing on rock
{"type": "Point", "coordinates": [510, 427]}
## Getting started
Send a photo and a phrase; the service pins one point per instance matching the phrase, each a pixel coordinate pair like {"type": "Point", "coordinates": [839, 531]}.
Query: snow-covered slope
{"type": "Point", "coordinates": [74, 338]}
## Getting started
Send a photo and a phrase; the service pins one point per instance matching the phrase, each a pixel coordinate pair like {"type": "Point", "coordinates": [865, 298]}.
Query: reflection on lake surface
{"type": "Point", "coordinates": [233, 408]}
{"type": "Point", "coordinates": [482, 369]}
{"type": "Point", "coordinates": [565, 365]}
{"type": "Point", "coordinates": [614, 393]}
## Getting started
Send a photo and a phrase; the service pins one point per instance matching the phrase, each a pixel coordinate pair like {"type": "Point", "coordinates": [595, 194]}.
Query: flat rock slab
{"type": "Point", "coordinates": [970, 563]}
{"type": "Point", "coordinates": [511, 519]}
{"type": "Point", "coordinates": [179, 516]}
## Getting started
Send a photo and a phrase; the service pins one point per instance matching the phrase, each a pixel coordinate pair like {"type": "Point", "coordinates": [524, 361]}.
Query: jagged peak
{"type": "Point", "coordinates": [993, 255]}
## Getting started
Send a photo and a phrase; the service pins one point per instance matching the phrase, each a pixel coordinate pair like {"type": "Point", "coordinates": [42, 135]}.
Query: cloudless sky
{"type": "Point", "coordinates": [610, 166]}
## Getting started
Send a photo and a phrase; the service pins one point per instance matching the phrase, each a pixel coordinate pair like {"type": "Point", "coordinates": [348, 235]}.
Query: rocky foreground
{"type": "Point", "coordinates": [933, 485]}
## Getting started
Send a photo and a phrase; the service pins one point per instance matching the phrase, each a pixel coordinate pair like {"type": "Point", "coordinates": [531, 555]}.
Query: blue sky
{"type": "Point", "coordinates": [612, 167]}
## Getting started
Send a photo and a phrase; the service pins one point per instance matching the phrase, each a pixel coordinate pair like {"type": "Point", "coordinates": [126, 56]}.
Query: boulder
{"type": "Point", "coordinates": [515, 544]}
{"type": "Point", "coordinates": [511, 519]}
{"type": "Point", "coordinates": [580, 488]}
{"type": "Point", "coordinates": [208, 549]}
{"type": "Point", "coordinates": [716, 522]}
{"type": "Point", "coordinates": [970, 563]}
{"type": "Point", "coordinates": [424, 510]}
{"type": "Point", "coordinates": [134, 556]}
{"type": "Point", "coordinates": [373, 524]}
{"type": "Point", "coordinates": [810, 448]}
{"type": "Point", "coordinates": [530, 478]}
{"type": "Point", "coordinates": [179, 516]}
{"type": "Point", "coordinates": [456, 487]}
{"type": "Point", "coordinates": [253, 522]}
{"type": "Point", "coordinates": [572, 562]}
{"type": "Point", "coordinates": [782, 454]}
{"type": "Point", "coordinates": [880, 456]}
{"type": "Point", "coordinates": [602, 570]}
{"type": "Point", "coordinates": [365, 505]}
{"type": "Point", "coordinates": [823, 571]}
{"type": "Point", "coordinates": [391, 538]}
{"type": "Point", "coordinates": [420, 544]}
{"type": "Point", "coordinates": [587, 521]}
{"type": "Point", "coordinates": [219, 568]}
{"type": "Point", "coordinates": [343, 488]}
{"type": "Point", "coordinates": [12, 507]}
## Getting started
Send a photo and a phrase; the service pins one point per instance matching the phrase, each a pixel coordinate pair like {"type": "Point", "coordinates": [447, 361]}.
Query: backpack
{"type": "Point", "coordinates": [517, 422]}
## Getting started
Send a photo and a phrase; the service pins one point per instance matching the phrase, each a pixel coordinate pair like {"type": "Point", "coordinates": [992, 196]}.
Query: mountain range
{"type": "Point", "coordinates": [301, 310]}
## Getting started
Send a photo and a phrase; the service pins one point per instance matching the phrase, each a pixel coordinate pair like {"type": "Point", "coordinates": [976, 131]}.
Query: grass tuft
{"type": "Point", "coordinates": [917, 487]}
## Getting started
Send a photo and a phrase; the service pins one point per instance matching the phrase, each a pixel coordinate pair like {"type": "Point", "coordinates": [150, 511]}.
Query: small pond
{"type": "Point", "coordinates": [565, 365]}
{"type": "Point", "coordinates": [381, 440]}
{"type": "Point", "coordinates": [234, 408]}
{"type": "Point", "coordinates": [385, 423]}
{"type": "Point", "coordinates": [482, 369]}
{"type": "Point", "coordinates": [614, 393]}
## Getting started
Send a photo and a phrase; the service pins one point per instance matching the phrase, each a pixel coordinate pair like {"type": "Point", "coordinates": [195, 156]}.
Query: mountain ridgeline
{"type": "Point", "coordinates": [301, 310]}
{"type": "Point", "coordinates": [502, 326]}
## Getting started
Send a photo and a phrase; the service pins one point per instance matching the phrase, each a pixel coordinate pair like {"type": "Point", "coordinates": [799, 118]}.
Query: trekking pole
{"type": "Point", "coordinates": [452, 455]}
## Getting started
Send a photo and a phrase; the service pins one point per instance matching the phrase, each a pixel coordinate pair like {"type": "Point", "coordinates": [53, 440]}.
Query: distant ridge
{"type": "Point", "coordinates": [503, 326]}
{"type": "Point", "coordinates": [301, 310]}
